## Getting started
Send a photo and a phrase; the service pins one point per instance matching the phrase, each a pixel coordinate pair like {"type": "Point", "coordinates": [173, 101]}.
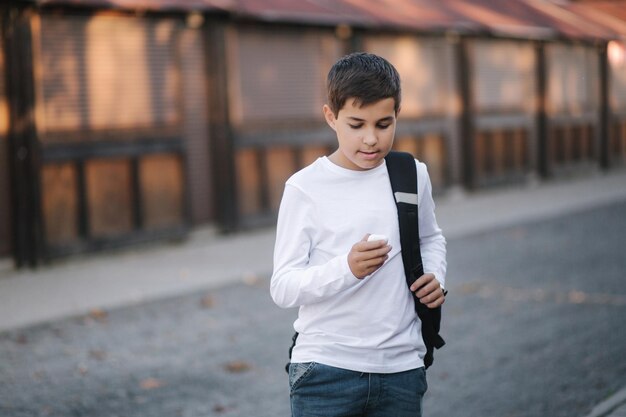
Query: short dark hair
{"type": "Point", "coordinates": [367, 78]}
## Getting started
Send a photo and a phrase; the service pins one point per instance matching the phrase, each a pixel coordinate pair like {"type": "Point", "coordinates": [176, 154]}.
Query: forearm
{"type": "Point", "coordinates": [433, 249]}
{"type": "Point", "coordinates": [296, 279]}
{"type": "Point", "coordinates": [432, 241]}
{"type": "Point", "coordinates": [293, 286]}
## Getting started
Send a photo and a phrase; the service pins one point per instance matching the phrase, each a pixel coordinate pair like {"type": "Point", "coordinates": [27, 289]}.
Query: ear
{"type": "Point", "coordinates": [329, 116]}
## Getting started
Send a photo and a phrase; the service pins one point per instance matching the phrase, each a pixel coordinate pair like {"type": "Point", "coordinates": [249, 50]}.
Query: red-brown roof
{"type": "Point", "coordinates": [608, 14]}
{"type": "Point", "coordinates": [519, 18]}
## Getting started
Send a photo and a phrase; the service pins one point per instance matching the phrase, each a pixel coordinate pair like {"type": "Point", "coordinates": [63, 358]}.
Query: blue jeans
{"type": "Point", "coordinates": [319, 390]}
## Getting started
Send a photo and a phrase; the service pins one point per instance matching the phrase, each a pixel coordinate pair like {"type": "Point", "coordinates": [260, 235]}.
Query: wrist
{"type": "Point", "coordinates": [443, 289]}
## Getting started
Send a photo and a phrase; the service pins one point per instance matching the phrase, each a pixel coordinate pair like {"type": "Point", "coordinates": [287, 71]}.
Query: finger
{"type": "Point", "coordinates": [372, 253]}
{"type": "Point", "coordinates": [361, 244]}
{"type": "Point", "coordinates": [365, 246]}
{"type": "Point", "coordinates": [428, 298]}
{"type": "Point", "coordinates": [375, 262]}
{"type": "Point", "coordinates": [377, 253]}
{"type": "Point", "coordinates": [421, 281]}
{"type": "Point", "coordinates": [429, 289]}
{"type": "Point", "coordinates": [431, 296]}
{"type": "Point", "coordinates": [438, 302]}
{"type": "Point", "coordinates": [374, 245]}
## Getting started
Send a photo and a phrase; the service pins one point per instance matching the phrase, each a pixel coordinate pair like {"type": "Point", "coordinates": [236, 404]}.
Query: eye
{"type": "Point", "coordinates": [383, 126]}
{"type": "Point", "coordinates": [356, 126]}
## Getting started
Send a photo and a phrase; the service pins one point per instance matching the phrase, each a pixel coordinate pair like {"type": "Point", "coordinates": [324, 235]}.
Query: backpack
{"type": "Point", "coordinates": [403, 178]}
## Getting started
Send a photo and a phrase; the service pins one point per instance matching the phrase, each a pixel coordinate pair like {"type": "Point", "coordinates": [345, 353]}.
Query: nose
{"type": "Point", "coordinates": [370, 138]}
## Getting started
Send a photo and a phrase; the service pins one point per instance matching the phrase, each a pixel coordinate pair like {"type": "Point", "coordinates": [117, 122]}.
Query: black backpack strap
{"type": "Point", "coordinates": [293, 344]}
{"type": "Point", "coordinates": [403, 177]}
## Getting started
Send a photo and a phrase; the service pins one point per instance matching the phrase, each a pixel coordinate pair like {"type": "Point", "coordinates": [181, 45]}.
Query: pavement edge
{"type": "Point", "coordinates": [609, 405]}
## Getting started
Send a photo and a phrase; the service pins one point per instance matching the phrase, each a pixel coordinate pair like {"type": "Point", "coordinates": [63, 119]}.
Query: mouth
{"type": "Point", "coordinates": [369, 154]}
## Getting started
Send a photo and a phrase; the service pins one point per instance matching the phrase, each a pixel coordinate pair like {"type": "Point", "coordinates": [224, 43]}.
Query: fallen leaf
{"type": "Point", "coordinates": [469, 288]}
{"type": "Point", "coordinates": [83, 370]}
{"type": "Point", "coordinates": [219, 409]}
{"type": "Point", "coordinates": [577, 297]}
{"type": "Point", "coordinates": [99, 315]}
{"type": "Point", "coordinates": [151, 383]}
{"type": "Point", "coordinates": [250, 279]}
{"type": "Point", "coordinates": [207, 301]}
{"type": "Point", "coordinates": [237, 367]}
{"type": "Point", "coordinates": [97, 354]}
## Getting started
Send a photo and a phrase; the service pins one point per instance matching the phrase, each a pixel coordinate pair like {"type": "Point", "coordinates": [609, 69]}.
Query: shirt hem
{"type": "Point", "coordinates": [368, 368]}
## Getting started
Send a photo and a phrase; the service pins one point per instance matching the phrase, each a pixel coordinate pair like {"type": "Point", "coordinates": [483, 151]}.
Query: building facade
{"type": "Point", "coordinates": [122, 123]}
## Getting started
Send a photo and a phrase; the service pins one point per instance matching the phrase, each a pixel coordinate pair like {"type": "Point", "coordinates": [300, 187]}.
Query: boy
{"type": "Point", "coordinates": [359, 351]}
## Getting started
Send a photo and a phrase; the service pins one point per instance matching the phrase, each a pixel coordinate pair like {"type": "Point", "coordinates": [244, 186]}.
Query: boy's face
{"type": "Point", "coordinates": [365, 134]}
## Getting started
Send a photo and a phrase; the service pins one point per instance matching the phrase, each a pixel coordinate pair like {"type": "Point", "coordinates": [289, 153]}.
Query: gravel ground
{"type": "Point", "coordinates": [532, 325]}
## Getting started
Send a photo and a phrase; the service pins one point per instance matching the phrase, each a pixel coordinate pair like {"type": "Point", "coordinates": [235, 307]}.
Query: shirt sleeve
{"type": "Point", "coordinates": [294, 281]}
{"type": "Point", "coordinates": [432, 241]}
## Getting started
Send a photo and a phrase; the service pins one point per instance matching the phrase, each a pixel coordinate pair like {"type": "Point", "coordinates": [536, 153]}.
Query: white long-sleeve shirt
{"type": "Point", "coordinates": [365, 325]}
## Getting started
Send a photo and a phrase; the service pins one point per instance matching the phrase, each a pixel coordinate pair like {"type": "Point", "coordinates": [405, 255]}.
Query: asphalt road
{"type": "Point", "coordinates": [534, 325]}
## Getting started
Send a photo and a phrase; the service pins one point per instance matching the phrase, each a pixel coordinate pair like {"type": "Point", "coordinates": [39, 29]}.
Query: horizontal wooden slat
{"type": "Point", "coordinates": [318, 133]}
{"type": "Point", "coordinates": [65, 152]}
{"type": "Point", "coordinates": [296, 136]}
{"type": "Point", "coordinates": [493, 121]}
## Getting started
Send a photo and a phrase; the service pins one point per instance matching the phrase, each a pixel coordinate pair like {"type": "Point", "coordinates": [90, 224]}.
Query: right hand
{"type": "Point", "coordinates": [366, 257]}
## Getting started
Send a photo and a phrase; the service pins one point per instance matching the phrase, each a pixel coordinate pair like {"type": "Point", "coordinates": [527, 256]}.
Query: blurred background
{"type": "Point", "coordinates": [132, 120]}
{"type": "Point", "coordinates": [144, 146]}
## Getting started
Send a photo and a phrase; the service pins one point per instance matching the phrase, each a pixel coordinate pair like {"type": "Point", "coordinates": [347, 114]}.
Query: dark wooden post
{"type": "Point", "coordinates": [260, 154]}
{"type": "Point", "coordinates": [223, 148]}
{"type": "Point", "coordinates": [137, 200]}
{"type": "Point", "coordinates": [23, 146]}
{"type": "Point", "coordinates": [604, 118]}
{"type": "Point", "coordinates": [541, 118]}
{"type": "Point", "coordinates": [83, 215]}
{"type": "Point", "coordinates": [466, 116]}
{"type": "Point", "coordinates": [353, 42]}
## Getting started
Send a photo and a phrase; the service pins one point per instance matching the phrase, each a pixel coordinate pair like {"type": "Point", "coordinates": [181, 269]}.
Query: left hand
{"type": "Point", "coordinates": [428, 290]}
